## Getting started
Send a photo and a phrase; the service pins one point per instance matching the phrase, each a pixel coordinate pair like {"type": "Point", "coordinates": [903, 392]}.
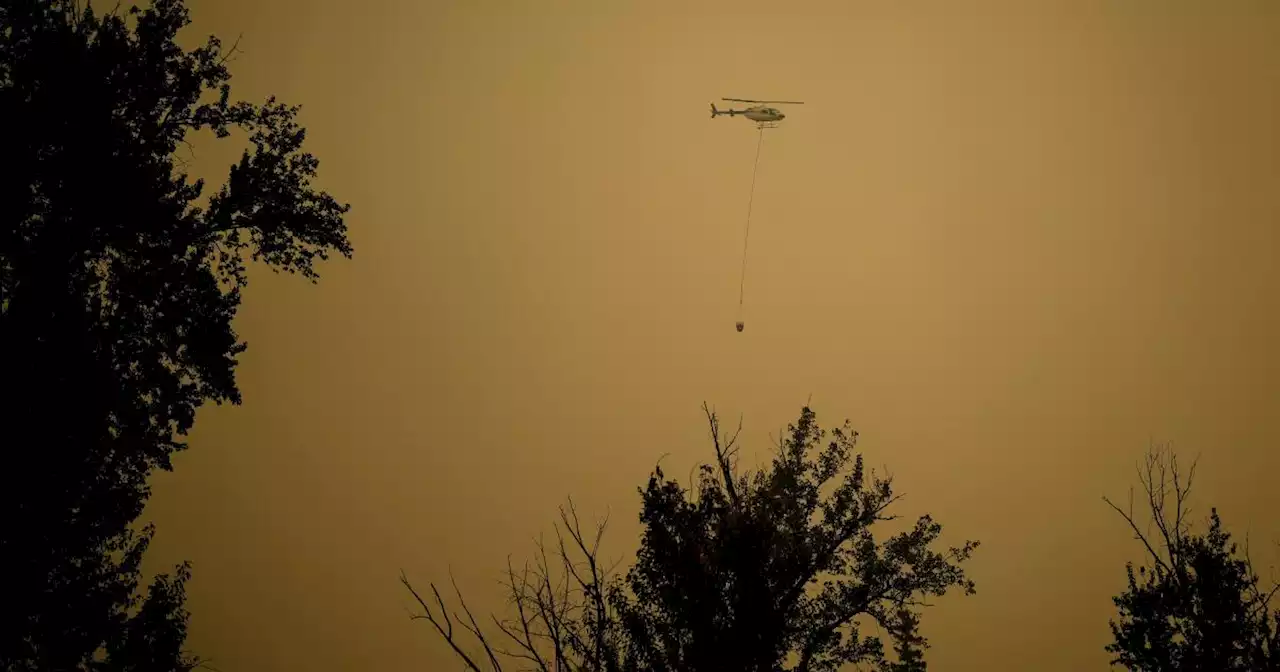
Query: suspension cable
{"type": "Point", "coordinates": [742, 282]}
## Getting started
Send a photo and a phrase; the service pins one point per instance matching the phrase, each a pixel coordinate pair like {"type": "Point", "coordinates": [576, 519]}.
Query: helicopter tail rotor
{"type": "Point", "coordinates": [714, 112]}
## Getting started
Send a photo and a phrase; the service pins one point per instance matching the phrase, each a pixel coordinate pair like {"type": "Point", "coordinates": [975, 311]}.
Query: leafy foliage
{"type": "Point", "coordinates": [117, 293]}
{"type": "Point", "coordinates": [757, 569]}
{"type": "Point", "coordinates": [761, 571]}
{"type": "Point", "coordinates": [1197, 604]}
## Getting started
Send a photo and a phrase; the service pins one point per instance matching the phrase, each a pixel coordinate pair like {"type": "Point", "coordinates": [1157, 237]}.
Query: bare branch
{"type": "Point", "coordinates": [1138, 533]}
{"type": "Point", "coordinates": [473, 628]}
{"type": "Point", "coordinates": [1161, 478]}
{"type": "Point", "coordinates": [446, 631]}
{"type": "Point", "coordinates": [526, 639]}
{"type": "Point", "coordinates": [559, 618]}
{"type": "Point", "coordinates": [725, 453]}
{"type": "Point", "coordinates": [235, 49]}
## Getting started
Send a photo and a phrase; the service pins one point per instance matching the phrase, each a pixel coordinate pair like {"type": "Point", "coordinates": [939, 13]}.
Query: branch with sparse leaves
{"type": "Point", "coordinates": [1161, 479]}
{"type": "Point", "coordinates": [1197, 603]}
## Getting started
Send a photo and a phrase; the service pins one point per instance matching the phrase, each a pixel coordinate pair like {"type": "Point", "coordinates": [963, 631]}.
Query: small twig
{"type": "Point", "coordinates": [235, 49]}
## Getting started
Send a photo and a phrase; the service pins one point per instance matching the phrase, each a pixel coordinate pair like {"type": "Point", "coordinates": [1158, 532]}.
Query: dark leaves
{"type": "Point", "coordinates": [118, 289]}
{"type": "Point", "coordinates": [782, 571]}
{"type": "Point", "coordinates": [1196, 604]}
{"type": "Point", "coordinates": [269, 196]}
{"type": "Point", "coordinates": [739, 572]}
{"type": "Point", "coordinates": [1207, 614]}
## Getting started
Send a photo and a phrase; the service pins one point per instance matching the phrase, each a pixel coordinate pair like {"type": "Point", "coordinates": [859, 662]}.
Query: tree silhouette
{"type": "Point", "coordinates": [1196, 603]}
{"type": "Point", "coordinates": [755, 570]}
{"type": "Point", "coordinates": [118, 286]}
{"type": "Point", "coordinates": [762, 571]}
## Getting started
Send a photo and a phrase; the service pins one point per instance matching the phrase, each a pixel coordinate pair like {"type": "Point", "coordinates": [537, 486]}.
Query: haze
{"type": "Point", "coordinates": [1014, 242]}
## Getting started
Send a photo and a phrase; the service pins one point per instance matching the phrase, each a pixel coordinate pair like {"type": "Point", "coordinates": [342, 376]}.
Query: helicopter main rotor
{"type": "Point", "coordinates": [776, 102]}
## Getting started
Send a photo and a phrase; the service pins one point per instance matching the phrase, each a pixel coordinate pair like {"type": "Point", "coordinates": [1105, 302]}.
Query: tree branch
{"type": "Point", "coordinates": [446, 631]}
{"type": "Point", "coordinates": [1158, 475]}
{"type": "Point", "coordinates": [725, 454]}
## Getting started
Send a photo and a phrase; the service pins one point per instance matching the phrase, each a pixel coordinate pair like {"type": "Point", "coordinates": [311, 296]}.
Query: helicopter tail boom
{"type": "Point", "coordinates": [716, 112]}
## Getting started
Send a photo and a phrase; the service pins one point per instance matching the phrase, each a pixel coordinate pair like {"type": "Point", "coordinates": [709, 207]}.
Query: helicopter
{"type": "Point", "coordinates": [765, 117]}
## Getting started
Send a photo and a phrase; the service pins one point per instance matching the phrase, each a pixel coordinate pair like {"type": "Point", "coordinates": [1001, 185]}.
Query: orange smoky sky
{"type": "Point", "coordinates": [1013, 242]}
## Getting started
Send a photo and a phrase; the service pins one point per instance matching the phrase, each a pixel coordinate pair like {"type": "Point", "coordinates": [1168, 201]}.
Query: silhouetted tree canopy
{"type": "Point", "coordinates": [1196, 603]}
{"type": "Point", "coordinates": [773, 570]}
{"type": "Point", "coordinates": [118, 285]}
